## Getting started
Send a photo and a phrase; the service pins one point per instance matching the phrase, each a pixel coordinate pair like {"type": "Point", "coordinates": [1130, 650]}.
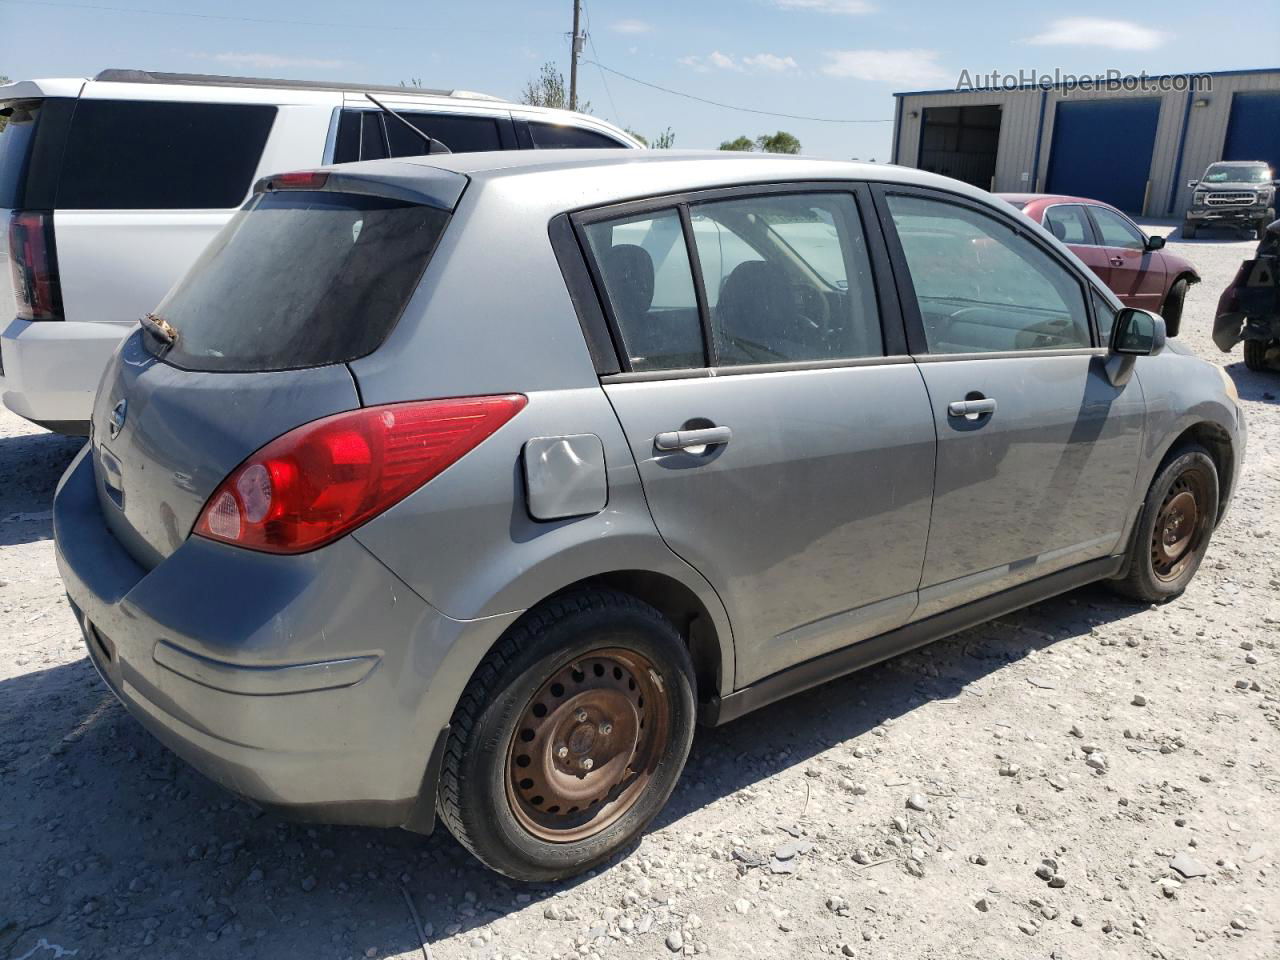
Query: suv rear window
{"type": "Point", "coordinates": [300, 279]}
{"type": "Point", "coordinates": [155, 155]}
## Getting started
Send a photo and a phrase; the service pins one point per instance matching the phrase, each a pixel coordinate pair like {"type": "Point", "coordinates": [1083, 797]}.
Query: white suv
{"type": "Point", "coordinates": [111, 187]}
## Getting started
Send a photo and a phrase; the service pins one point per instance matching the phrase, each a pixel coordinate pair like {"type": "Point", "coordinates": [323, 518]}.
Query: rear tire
{"type": "Point", "coordinates": [1174, 528]}
{"type": "Point", "coordinates": [570, 736]}
{"type": "Point", "coordinates": [1172, 309]}
{"type": "Point", "coordinates": [1188, 230]}
{"type": "Point", "coordinates": [1255, 354]}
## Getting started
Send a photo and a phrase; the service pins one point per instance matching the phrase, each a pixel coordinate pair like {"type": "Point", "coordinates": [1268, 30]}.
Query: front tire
{"type": "Point", "coordinates": [1172, 309]}
{"type": "Point", "coordinates": [1188, 230]}
{"type": "Point", "coordinates": [570, 736]}
{"type": "Point", "coordinates": [1177, 520]}
{"type": "Point", "coordinates": [1255, 354]}
{"type": "Point", "coordinates": [1260, 233]}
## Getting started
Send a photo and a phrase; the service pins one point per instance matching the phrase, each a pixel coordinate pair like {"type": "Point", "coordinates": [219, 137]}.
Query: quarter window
{"type": "Point", "coordinates": [788, 279]}
{"type": "Point", "coordinates": [981, 286]}
{"type": "Point", "coordinates": [1069, 224]}
{"type": "Point", "coordinates": [645, 267]}
{"type": "Point", "coordinates": [1116, 231]}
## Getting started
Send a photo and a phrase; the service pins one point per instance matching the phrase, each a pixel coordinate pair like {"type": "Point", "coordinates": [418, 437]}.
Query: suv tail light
{"type": "Point", "coordinates": [324, 479]}
{"type": "Point", "coordinates": [33, 258]}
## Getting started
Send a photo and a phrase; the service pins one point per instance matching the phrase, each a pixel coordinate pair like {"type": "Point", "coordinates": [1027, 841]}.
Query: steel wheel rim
{"type": "Point", "coordinates": [1179, 527]}
{"type": "Point", "coordinates": [587, 745]}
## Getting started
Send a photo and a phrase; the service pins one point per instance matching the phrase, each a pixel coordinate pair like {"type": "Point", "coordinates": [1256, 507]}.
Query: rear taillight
{"type": "Point", "coordinates": [324, 479]}
{"type": "Point", "coordinates": [33, 258]}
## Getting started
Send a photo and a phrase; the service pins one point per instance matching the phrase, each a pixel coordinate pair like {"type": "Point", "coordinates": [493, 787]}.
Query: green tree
{"type": "Point", "coordinates": [548, 89]}
{"type": "Point", "coordinates": [665, 140]}
{"type": "Point", "coordinates": [743, 144]}
{"type": "Point", "coordinates": [780, 142]}
{"type": "Point", "coordinates": [639, 136]}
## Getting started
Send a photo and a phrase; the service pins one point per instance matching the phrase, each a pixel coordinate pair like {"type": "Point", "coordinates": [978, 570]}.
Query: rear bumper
{"type": "Point", "coordinates": [52, 369]}
{"type": "Point", "coordinates": [305, 683]}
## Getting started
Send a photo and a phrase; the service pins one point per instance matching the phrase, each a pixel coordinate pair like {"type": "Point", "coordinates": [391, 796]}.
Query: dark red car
{"type": "Point", "coordinates": [1135, 266]}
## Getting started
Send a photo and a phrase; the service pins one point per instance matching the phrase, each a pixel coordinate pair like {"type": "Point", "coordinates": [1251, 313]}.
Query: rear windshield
{"type": "Point", "coordinates": [300, 279]}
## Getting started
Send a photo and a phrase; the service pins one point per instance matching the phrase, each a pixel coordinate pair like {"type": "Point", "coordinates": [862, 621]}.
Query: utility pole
{"type": "Point", "coordinates": [574, 50]}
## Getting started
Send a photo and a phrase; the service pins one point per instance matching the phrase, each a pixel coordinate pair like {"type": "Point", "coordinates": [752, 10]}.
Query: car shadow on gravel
{"type": "Point", "coordinates": [1260, 386]}
{"type": "Point", "coordinates": [30, 466]}
{"type": "Point", "coordinates": [108, 841]}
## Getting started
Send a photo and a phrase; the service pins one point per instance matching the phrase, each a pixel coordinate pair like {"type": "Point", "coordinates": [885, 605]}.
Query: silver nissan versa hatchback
{"type": "Point", "coordinates": [464, 485]}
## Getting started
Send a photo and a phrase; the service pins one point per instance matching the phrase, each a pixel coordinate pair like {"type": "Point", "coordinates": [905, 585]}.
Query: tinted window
{"type": "Point", "coordinates": [138, 155]}
{"type": "Point", "coordinates": [300, 279]}
{"type": "Point", "coordinates": [982, 287]}
{"type": "Point", "coordinates": [549, 136]}
{"type": "Point", "coordinates": [1069, 224]}
{"type": "Point", "coordinates": [788, 279]}
{"type": "Point", "coordinates": [645, 267]}
{"type": "Point", "coordinates": [373, 138]}
{"type": "Point", "coordinates": [1116, 231]}
{"type": "Point", "coordinates": [18, 120]}
{"type": "Point", "coordinates": [459, 133]}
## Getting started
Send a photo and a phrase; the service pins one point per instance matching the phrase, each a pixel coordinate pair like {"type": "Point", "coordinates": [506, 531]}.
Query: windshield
{"type": "Point", "coordinates": [299, 279]}
{"type": "Point", "coordinates": [1237, 173]}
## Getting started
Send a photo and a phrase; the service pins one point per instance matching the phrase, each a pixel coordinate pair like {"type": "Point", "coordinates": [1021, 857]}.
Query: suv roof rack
{"type": "Point", "coordinates": [214, 80]}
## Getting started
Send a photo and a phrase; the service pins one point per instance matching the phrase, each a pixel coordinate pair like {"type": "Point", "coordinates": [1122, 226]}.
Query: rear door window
{"type": "Point", "coordinates": [554, 136]}
{"type": "Point", "coordinates": [1069, 223]}
{"type": "Point", "coordinates": [788, 279]}
{"type": "Point", "coordinates": [152, 155]}
{"type": "Point", "coordinates": [461, 134]}
{"type": "Point", "coordinates": [300, 279]}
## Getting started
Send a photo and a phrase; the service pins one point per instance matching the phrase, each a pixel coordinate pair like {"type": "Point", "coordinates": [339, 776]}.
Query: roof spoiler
{"type": "Point", "coordinates": [408, 182]}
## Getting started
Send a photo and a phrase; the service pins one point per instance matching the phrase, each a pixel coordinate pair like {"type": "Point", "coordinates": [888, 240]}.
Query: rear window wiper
{"type": "Point", "coordinates": [159, 328]}
{"type": "Point", "coordinates": [433, 145]}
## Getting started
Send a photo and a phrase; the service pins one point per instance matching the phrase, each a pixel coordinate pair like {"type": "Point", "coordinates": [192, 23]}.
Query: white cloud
{"type": "Point", "coordinates": [1098, 32]}
{"type": "Point", "coordinates": [631, 26]}
{"type": "Point", "coordinates": [902, 68]}
{"type": "Point", "coordinates": [271, 61]}
{"type": "Point", "coordinates": [770, 62]}
{"type": "Point", "coordinates": [847, 7]}
{"type": "Point", "coordinates": [722, 60]}
{"type": "Point", "coordinates": [760, 63]}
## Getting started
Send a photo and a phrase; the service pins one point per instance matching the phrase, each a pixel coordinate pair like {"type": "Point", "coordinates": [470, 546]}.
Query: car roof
{"type": "Point", "coordinates": [617, 175]}
{"type": "Point", "coordinates": [1026, 198]}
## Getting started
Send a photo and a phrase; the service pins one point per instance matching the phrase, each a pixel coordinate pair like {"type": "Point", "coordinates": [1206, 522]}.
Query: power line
{"type": "Point", "coordinates": [234, 19]}
{"type": "Point", "coordinates": [603, 80]}
{"type": "Point", "coordinates": [730, 106]}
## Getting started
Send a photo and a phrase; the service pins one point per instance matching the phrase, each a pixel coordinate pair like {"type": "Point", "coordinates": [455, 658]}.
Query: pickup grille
{"type": "Point", "coordinates": [1235, 198]}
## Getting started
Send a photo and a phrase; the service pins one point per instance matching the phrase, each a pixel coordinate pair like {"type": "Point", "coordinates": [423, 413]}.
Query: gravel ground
{"type": "Point", "coordinates": [1086, 778]}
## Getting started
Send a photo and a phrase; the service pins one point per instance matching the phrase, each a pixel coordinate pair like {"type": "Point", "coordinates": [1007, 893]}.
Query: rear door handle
{"type": "Point", "coordinates": [683, 439]}
{"type": "Point", "coordinates": [969, 408]}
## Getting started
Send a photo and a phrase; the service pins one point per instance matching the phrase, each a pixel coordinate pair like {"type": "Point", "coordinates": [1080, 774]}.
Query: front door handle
{"type": "Point", "coordinates": [971, 408]}
{"type": "Point", "coordinates": [1117, 261]}
{"type": "Point", "coordinates": [684, 439]}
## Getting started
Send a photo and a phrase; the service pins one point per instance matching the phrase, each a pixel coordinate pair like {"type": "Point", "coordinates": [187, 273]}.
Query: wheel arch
{"type": "Point", "coordinates": [1217, 440]}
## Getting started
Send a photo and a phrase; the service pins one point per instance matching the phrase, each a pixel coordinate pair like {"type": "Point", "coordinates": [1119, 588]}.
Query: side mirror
{"type": "Point", "coordinates": [1155, 243]}
{"type": "Point", "coordinates": [1137, 333]}
{"type": "Point", "coordinates": [1273, 230]}
{"type": "Point", "coordinates": [1193, 183]}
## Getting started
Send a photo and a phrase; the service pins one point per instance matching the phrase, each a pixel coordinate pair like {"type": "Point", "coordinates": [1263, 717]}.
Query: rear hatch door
{"type": "Point", "coordinates": [300, 282]}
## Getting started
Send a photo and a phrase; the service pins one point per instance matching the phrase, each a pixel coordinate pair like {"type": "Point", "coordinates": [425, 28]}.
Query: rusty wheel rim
{"type": "Point", "coordinates": [1178, 532]}
{"type": "Point", "coordinates": [587, 745]}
